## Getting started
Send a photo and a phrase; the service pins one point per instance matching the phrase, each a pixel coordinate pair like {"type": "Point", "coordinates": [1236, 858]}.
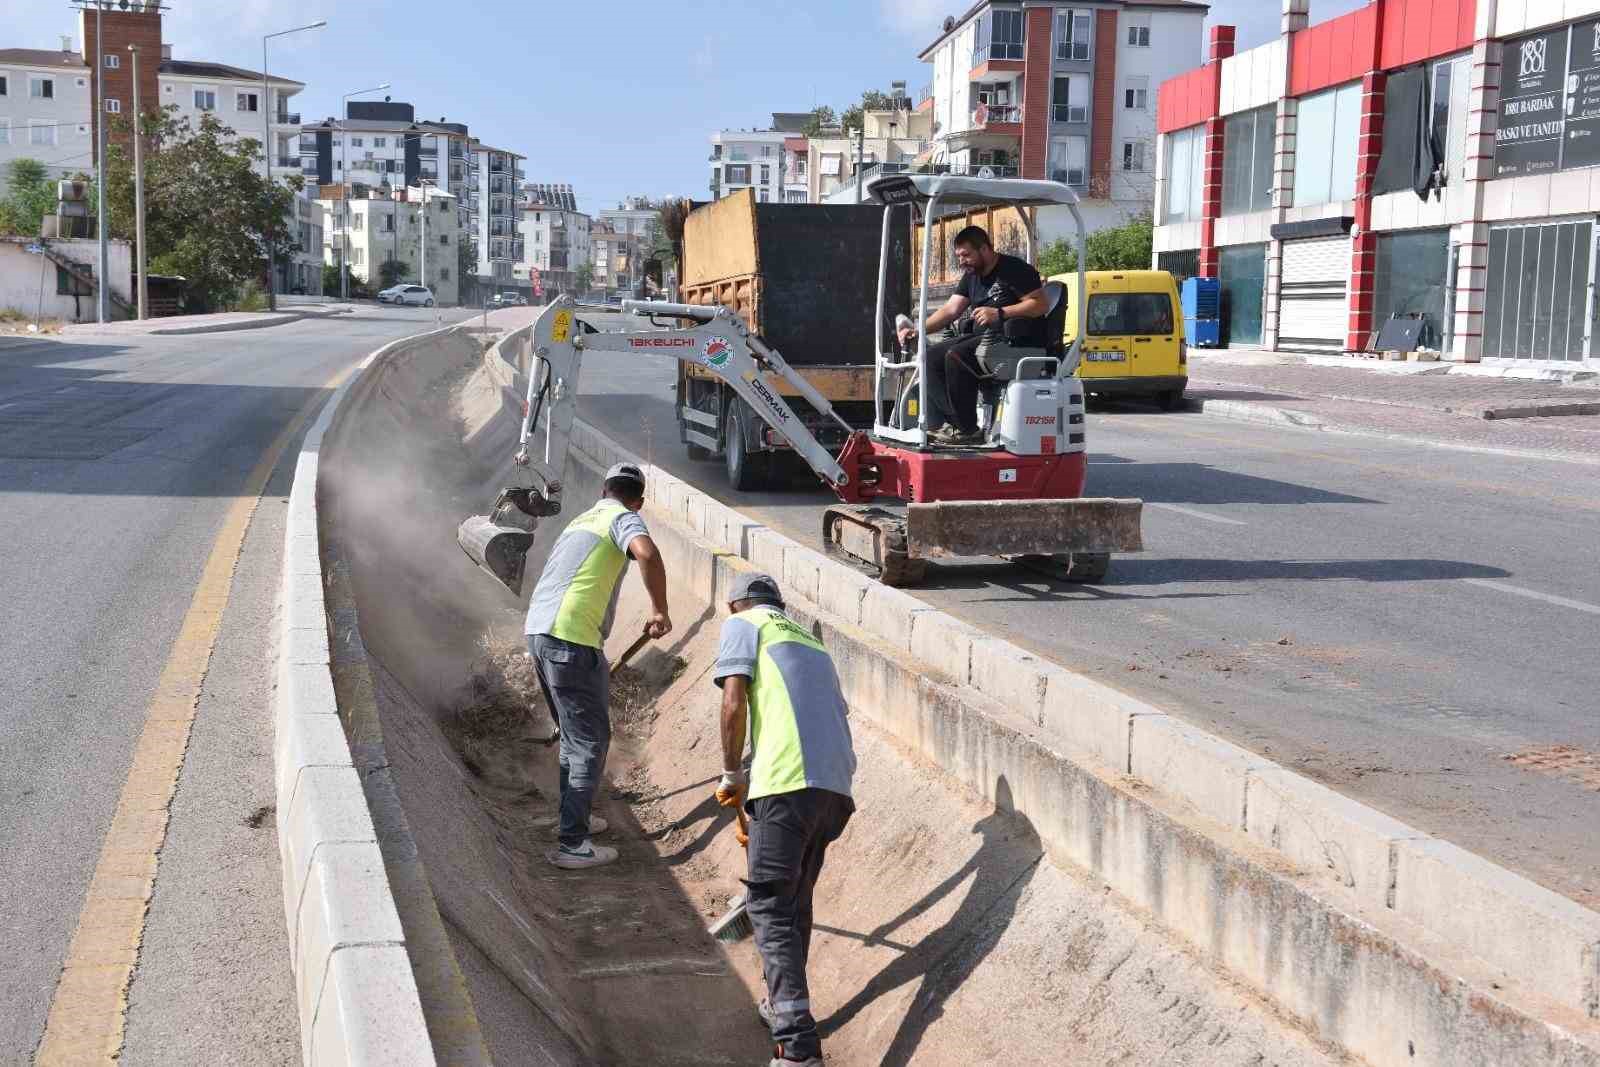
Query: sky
{"type": "Point", "coordinates": [617, 99]}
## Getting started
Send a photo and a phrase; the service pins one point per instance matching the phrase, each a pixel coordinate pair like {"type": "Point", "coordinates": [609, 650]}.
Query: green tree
{"type": "Point", "coordinates": [1125, 247]}
{"type": "Point", "coordinates": [391, 272]}
{"type": "Point", "coordinates": [209, 212]}
{"type": "Point", "coordinates": [871, 100]}
{"type": "Point", "coordinates": [466, 265]}
{"type": "Point", "coordinates": [583, 277]}
{"type": "Point", "coordinates": [821, 118]}
{"type": "Point", "coordinates": [330, 279]}
{"type": "Point", "coordinates": [31, 195]}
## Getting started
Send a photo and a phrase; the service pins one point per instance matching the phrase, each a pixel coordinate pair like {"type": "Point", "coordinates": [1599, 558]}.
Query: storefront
{"type": "Point", "coordinates": [1537, 303]}
{"type": "Point", "coordinates": [1412, 281]}
{"type": "Point", "coordinates": [1313, 295]}
{"type": "Point", "coordinates": [1243, 270]}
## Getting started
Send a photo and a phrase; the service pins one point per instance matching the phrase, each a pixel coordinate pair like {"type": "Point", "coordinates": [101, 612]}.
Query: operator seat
{"type": "Point", "coordinates": [1000, 360]}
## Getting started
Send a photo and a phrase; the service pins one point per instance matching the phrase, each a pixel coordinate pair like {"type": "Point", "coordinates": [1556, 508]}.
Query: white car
{"type": "Point", "coordinates": [407, 294]}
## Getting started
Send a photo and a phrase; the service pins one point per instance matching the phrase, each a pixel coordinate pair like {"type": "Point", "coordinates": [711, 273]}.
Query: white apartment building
{"type": "Point", "coordinates": [492, 214]}
{"type": "Point", "coordinates": [309, 227]}
{"type": "Point", "coordinates": [890, 140]}
{"type": "Point", "coordinates": [233, 96]}
{"type": "Point", "coordinates": [423, 225]}
{"type": "Point", "coordinates": [44, 110]}
{"type": "Point", "coordinates": [748, 159]}
{"type": "Point", "coordinates": [634, 216]}
{"type": "Point", "coordinates": [555, 240]}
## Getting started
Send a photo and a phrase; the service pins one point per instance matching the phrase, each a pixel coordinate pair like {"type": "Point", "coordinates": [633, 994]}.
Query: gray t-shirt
{"type": "Point", "coordinates": [566, 559]}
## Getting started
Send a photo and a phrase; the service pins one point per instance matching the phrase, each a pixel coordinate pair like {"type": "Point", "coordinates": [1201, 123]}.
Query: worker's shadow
{"type": "Point", "coordinates": [1000, 870]}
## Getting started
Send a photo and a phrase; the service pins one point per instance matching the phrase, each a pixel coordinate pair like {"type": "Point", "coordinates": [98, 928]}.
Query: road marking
{"type": "Point", "coordinates": [1532, 594]}
{"type": "Point", "coordinates": [1195, 513]}
{"type": "Point", "coordinates": [89, 1009]}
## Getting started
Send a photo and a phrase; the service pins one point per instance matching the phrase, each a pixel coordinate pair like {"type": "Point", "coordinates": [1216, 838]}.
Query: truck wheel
{"type": "Point", "coordinates": [698, 453]}
{"type": "Point", "coordinates": [746, 472]}
{"type": "Point", "coordinates": [1170, 399]}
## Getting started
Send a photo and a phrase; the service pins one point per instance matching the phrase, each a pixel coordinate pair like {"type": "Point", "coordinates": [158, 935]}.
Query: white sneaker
{"type": "Point", "coordinates": [585, 855]}
{"type": "Point", "coordinates": [597, 823]}
{"type": "Point", "coordinates": [780, 1061]}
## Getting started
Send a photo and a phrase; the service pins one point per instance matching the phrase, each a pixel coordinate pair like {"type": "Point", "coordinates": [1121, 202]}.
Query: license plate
{"type": "Point", "coordinates": [1105, 357]}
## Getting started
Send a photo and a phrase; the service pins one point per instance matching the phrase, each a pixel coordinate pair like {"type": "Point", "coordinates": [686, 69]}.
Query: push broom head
{"type": "Point", "coordinates": [735, 925]}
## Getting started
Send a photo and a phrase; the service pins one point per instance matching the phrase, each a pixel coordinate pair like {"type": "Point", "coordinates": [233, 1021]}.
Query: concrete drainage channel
{"type": "Point", "coordinates": [1041, 868]}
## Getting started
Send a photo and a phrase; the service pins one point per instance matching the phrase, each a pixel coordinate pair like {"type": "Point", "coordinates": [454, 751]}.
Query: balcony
{"type": "Point", "coordinates": [287, 118]}
{"type": "Point", "coordinates": [1069, 113]}
{"type": "Point", "coordinates": [427, 149]}
{"type": "Point", "coordinates": [457, 150]}
{"type": "Point", "coordinates": [497, 165]}
{"type": "Point", "coordinates": [308, 166]}
{"type": "Point", "coordinates": [308, 146]}
{"type": "Point", "coordinates": [290, 161]}
{"type": "Point", "coordinates": [997, 55]}
{"type": "Point", "coordinates": [988, 117]}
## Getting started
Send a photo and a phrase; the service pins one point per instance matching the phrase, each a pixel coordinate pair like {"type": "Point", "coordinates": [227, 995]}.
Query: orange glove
{"type": "Point", "coordinates": [730, 793]}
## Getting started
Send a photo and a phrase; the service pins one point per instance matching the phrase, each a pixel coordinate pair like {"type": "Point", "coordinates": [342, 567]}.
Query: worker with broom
{"type": "Point", "coordinates": [774, 673]}
{"type": "Point", "coordinates": [569, 617]}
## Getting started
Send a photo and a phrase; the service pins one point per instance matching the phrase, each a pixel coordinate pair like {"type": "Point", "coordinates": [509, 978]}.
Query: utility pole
{"type": "Point", "coordinates": [102, 297]}
{"type": "Point", "coordinates": [344, 185]}
{"type": "Point", "coordinates": [138, 192]}
{"type": "Point", "coordinates": [267, 152]}
{"type": "Point", "coordinates": [861, 153]}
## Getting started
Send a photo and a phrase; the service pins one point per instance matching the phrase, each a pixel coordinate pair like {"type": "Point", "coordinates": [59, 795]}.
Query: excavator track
{"type": "Point", "coordinates": [873, 540]}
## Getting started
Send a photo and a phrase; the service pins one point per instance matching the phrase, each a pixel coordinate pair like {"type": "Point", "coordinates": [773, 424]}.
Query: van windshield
{"type": "Point", "coordinates": [1112, 314]}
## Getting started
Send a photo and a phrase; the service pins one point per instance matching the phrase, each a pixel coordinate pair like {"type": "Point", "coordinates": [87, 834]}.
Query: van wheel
{"type": "Point", "coordinates": [747, 472]}
{"type": "Point", "coordinates": [1170, 400]}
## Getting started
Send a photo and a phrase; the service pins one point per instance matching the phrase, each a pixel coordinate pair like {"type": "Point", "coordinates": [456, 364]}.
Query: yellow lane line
{"type": "Point", "coordinates": [88, 1011]}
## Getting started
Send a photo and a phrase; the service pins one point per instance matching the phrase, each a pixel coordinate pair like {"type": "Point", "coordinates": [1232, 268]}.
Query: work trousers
{"type": "Point", "coordinates": [576, 680]}
{"type": "Point", "coordinates": [953, 371]}
{"type": "Point", "coordinates": [789, 835]}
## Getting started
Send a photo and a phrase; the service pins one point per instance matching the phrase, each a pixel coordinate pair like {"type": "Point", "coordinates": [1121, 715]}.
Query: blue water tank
{"type": "Point", "coordinates": [1202, 311]}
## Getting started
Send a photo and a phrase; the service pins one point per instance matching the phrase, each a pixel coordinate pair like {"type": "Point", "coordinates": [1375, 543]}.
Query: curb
{"type": "Point", "coordinates": [357, 996]}
{"type": "Point", "coordinates": [1274, 415]}
{"type": "Point", "coordinates": [1398, 947]}
{"type": "Point", "coordinates": [282, 318]}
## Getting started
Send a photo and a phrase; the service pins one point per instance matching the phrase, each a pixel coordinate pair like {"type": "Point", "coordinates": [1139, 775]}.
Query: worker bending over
{"type": "Point", "coordinates": [796, 792]}
{"type": "Point", "coordinates": [569, 618]}
{"type": "Point", "coordinates": [995, 289]}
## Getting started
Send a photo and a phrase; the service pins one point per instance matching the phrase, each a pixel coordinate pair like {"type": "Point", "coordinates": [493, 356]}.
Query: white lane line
{"type": "Point", "coordinates": [1195, 514]}
{"type": "Point", "coordinates": [1559, 601]}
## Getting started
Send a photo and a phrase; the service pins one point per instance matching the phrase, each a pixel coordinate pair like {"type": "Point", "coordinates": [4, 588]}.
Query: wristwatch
{"type": "Point", "coordinates": [1002, 312]}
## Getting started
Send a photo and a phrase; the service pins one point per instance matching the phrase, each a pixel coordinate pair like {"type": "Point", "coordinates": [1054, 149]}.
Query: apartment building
{"type": "Point", "coordinates": [309, 228]}
{"type": "Point", "coordinates": [493, 214]}
{"type": "Point", "coordinates": [555, 240]}
{"type": "Point", "coordinates": [1065, 91]}
{"type": "Point", "coordinates": [748, 159]}
{"type": "Point", "coordinates": [634, 215]}
{"type": "Point", "coordinates": [618, 259]}
{"type": "Point", "coordinates": [45, 109]}
{"type": "Point", "coordinates": [1428, 159]}
{"type": "Point", "coordinates": [383, 143]}
{"type": "Point", "coordinates": [408, 225]}
{"type": "Point", "coordinates": [891, 140]}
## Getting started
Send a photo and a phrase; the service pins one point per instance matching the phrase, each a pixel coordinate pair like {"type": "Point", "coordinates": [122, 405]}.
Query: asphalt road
{"type": "Point", "coordinates": [118, 459]}
{"type": "Point", "coordinates": [1415, 627]}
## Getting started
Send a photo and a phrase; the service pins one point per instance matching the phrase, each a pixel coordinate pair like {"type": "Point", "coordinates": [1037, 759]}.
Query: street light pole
{"type": "Point", "coordinates": [102, 302]}
{"type": "Point", "coordinates": [344, 185]}
{"type": "Point", "coordinates": [138, 193]}
{"type": "Point", "coordinates": [266, 151]}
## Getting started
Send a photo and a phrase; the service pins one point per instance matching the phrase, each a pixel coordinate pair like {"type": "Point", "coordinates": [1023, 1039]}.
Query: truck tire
{"type": "Point", "coordinates": [699, 453]}
{"type": "Point", "coordinates": [747, 472]}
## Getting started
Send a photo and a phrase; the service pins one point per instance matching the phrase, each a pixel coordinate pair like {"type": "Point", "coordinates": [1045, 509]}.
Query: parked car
{"type": "Point", "coordinates": [512, 300]}
{"type": "Point", "coordinates": [407, 294]}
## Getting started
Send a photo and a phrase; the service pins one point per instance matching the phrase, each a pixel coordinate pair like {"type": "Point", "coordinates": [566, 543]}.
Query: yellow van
{"type": "Point", "coordinates": [1135, 344]}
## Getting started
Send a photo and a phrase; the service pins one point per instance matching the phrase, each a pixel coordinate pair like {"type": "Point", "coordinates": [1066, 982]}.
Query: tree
{"type": "Point", "coordinates": [1125, 247]}
{"type": "Point", "coordinates": [583, 277]}
{"type": "Point", "coordinates": [821, 118]}
{"type": "Point", "coordinates": [209, 212]}
{"type": "Point", "coordinates": [330, 279]}
{"type": "Point", "coordinates": [31, 196]}
{"type": "Point", "coordinates": [466, 264]}
{"type": "Point", "coordinates": [871, 100]}
{"type": "Point", "coordinates": [392, 271]}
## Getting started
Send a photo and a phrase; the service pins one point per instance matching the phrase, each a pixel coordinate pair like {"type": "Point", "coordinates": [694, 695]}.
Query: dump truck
{"type": "Point", "coordinates": [805, 278]}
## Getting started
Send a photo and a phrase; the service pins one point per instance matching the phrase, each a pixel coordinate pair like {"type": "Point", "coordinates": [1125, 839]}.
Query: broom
{"type": "Point", "coordinates": [735, 925]}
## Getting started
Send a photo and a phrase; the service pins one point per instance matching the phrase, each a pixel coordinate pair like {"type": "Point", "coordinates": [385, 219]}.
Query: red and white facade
{"type": "Point", "coordinates": [1315, 245]}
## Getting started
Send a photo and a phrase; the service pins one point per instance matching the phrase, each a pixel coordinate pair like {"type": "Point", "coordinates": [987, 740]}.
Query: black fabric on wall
{"type": "Point", "coordinates": [1409, 154]}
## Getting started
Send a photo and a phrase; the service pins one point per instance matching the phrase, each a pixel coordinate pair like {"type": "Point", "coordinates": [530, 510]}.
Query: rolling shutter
{"type": "Point", "coordinates": [1313, 302]}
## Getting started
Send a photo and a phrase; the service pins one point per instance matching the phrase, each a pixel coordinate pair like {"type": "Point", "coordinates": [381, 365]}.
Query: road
{"type": "Point", "coordinates": [122, 460]}
{"type": "Point", "coordinates": [1413, 626]}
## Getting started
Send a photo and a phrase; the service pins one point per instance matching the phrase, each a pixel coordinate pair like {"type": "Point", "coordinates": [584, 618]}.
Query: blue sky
{"type": "Point", "coordinates": [615, 99]}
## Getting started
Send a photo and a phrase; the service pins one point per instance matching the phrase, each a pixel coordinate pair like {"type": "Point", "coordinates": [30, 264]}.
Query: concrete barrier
{"type": "Point", "coordinates": [1391, 945]}
{"type": "Point", "coordinates": [355, 990]}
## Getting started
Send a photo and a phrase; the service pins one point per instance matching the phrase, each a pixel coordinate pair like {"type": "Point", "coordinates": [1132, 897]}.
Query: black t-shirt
{"type": "Point", "coordinates": [1010, 281]}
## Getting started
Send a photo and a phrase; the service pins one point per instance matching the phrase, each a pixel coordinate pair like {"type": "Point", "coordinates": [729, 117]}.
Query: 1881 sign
{"type": "Point", "coordinates": [1528, 136]}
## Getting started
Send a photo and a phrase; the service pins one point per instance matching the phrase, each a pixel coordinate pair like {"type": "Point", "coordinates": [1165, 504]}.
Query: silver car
{"type": "Point", "coordinates": [419, 295]}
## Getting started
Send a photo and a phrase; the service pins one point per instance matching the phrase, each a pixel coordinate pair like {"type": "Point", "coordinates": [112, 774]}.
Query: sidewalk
{"type": "Point", "coordinates": [220, 322]}
{"type": "Point", "coordinates": [1423, 403]}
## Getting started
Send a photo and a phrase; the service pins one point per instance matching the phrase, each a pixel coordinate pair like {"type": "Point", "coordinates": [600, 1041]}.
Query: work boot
{"type": "Point", "coordinates": [597, 823]}
{"type": "Point", "coordinates": [780, 1060]}
{"type": "Point", "coordinates": [764, 1009]}
{"type": "Point", "coordinates": [585, 855]}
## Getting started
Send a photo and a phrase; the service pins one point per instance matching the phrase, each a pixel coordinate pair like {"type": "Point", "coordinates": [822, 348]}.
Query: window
{"type": "Point", "coordinates": [67, 285]}
{"type": "Point", "coordinates": [41, 133]}
{"type": "Point", "coordinates": [388, 223]}
{"type": "Point", "coordinates": [738, 174]}
{"type": "Point", "coordinates": [1450, 85]}
{"type": "Point", "coordinates": [1070, 99]}
{"type": "Point", "coordinates": [358, 256]}
{"type": "Point", "coordinates": [245, 102]}
{"type": "Point", "coordinates": [4, 85]}
{"type": "Point", "coordinates": [1072, 35]}
{"type": "Point", "coordinates": [1136, 94]}
{"type": "Point", "coordinates": [444, 274]}
{"type": "Point", "coordinates": [1247, 161]}
{"type": "Point", "coordinates": [113, 107]}
{"type": "Point", "coordinates": [766, 174]}
{"type": "Point", "coordinates": [1133, 155]}
{"type": "Point", "coordinates": [42, 88]}
{"type": "Point", "coordinates": [761, 195]}
{"type": "Point", "coordinates": [444, 238]}
{"type": "Point", "coordinates": [1326, 135]}
{"type": "Point", "coordinates": [1411, 279]}
{"type": "Point", "coordinates": [766, 150]}
{"type": "Point", "coordinates": [205, 100]}
{"type": "Point", "coordinates": [1115, 314]}
{"type": "Point", "coordinates": [1006, 42]}
{"type": "Point", "coordinates": [1185, 174]}
{"type": "Point", "coordinates": [113, 62]}
{"type": "Point", "coordinates": [357, 222]}
{"type": "Point", "coordinates": [380, 142]}
{"type": "Point", "coordinates": [355, 142]}
{"type": "Point", "coordinates": [1139, 36]}
{"type": "Point", "coordinates": [1069, 160]}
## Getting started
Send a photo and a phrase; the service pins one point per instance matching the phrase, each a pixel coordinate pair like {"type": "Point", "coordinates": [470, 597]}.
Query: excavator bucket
{"type": "Point", "coordinates": [499, 541]}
